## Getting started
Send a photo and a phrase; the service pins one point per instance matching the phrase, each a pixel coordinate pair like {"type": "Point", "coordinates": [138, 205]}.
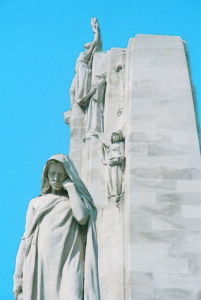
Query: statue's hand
{"type": "Point", "coordinates": [17, 287]}
{"type": "Point", "coordinates": [67, 183]}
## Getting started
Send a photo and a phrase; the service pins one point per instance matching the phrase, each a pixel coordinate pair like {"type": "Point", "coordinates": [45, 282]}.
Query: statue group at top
{"type": "Point", "coordinates": [89, 97]}
{"type": "Point", "coordinates": [89, 94]}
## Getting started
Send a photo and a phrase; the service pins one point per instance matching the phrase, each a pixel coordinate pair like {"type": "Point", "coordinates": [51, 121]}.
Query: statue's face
{"type": "Point", "coordinates": [115, 137]}
{"type": "Point", "coordinates": [56, 176]}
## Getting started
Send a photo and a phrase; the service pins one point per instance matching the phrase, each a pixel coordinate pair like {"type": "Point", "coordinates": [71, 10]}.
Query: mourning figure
{"type": "Point", "coordinates": [57, 257]}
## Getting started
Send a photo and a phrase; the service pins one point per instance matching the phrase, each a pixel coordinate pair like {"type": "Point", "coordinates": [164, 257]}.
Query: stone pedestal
{"type": "Point", "coordinates": [149, 247]}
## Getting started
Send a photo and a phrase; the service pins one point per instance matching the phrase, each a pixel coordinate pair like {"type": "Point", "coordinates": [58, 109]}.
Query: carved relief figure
{"type": "Point", "coordinates": [94, 108]}
{"type": "Point", "coordinates": [57, 257]}
{"type": "Point", "coordinates": [81, 84]}
{"type": "Point", "coordinates": [114, 158]}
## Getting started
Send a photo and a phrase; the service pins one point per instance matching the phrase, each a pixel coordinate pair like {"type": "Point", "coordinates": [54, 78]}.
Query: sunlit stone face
{"type": "Point", "coordinates": [56, 176]}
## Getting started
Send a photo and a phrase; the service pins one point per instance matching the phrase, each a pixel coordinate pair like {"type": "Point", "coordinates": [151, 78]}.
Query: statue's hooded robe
{"type": "Point", "coordinates": [60, 254]}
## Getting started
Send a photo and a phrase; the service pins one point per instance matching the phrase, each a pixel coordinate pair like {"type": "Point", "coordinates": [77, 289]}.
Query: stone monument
{"type": "Point", "coordinates": [57, 257]}
{"type": "Point", "coordinates": [135, 141]}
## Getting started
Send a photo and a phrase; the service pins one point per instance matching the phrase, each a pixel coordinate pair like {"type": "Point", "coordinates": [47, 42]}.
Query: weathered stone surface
{"type": "Point", "coordinates": [149, 248]}
{"type": "Point", "coordinates": [163, 166]}
{"type": "Point", "coordinates": [143, 286]}
{"type": "Point", "coordinates": [181, 198]}
{"type": "Point", "coordinates": [164, 173]}
{"type": "Point", "coordinates": [176, 294]}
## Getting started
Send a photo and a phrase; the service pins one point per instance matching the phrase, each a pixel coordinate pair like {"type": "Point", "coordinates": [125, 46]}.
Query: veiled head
{"type": "Point", "coordinates": [117, 136]}
{"type": "Point", "coordinates": [54, 174]}
{"type": "Point", "coordinates": [71, 172]}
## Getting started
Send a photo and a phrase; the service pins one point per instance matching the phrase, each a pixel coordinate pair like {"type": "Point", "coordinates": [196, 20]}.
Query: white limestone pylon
{"type": "Point", "coordinates": [149, 248]}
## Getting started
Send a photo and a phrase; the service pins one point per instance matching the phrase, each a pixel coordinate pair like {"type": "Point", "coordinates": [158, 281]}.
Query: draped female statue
{"type": "Point", "coordinates": [57, 257]}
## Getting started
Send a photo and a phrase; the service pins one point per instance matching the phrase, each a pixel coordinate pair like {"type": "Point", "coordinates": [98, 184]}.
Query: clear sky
{"type": "Point", "coordinates": [40, 41]}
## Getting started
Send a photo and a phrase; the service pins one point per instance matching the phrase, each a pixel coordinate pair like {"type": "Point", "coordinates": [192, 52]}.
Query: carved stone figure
{"type": "Point", "coordinates": [94, 108]}
{"type": "Point", "coordinates": [57, 257]}
{"type": "Point", "coordinates": [114, 158]}
{"type": "Point", "coordinates": [81, 84]}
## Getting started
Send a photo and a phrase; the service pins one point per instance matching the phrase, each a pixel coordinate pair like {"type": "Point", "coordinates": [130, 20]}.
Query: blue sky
{"type": "Point", "coordinates": [40, 41]}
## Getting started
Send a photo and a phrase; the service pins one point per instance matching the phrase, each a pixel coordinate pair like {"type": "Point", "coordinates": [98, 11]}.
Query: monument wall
{"type": "Point", "coordinates": [150, 233]}
{"type": "Point", "coordinates": [163, 172]}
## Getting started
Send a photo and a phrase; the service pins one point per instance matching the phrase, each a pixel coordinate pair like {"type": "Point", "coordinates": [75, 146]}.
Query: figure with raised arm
{"type": "Point", "coordinates": [81, 85]}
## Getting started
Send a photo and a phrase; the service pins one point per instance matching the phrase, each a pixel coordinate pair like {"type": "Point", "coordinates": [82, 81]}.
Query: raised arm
{"type": "Point", "coordinates": [91, 47]}
{"type": "Point", "coordinates": [96, 30]}
{"type": "Point", "coordinates": [80, 211]}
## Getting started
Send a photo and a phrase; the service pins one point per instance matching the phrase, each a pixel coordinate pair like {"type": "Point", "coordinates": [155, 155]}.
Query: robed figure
{"type": "Point", "coordinates": [87, 93]}
{"type": "Point", "coordinates": [81, 85]}
{"type": "Point", "coordinates": [94, 108]}
{"type": "Point", "coordinates": [114, 158]}
{"type": "Point", "coordinates": [57, 257]}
